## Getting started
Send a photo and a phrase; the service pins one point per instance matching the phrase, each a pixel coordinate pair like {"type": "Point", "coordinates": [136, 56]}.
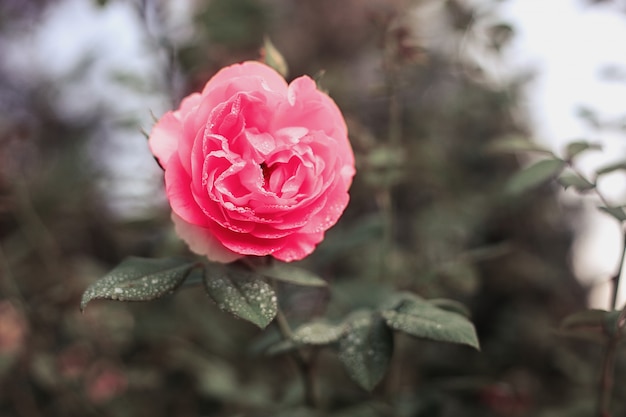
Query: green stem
{"type": "Point", "coordinates": [305, 366]}
{"type": "Point", "coordinates": [608, 367]}
{"type": "Point", "coordinates": [395, 111]}
{"type": "Point", "coordinates": [385, 203]}
{"type": "Point", "coordinates": [394, 138]}
{"type": "Point", "coordinates": [283, 325]}
{"type": "Point", "coordinates": [616, 278]}
{"type": "Point", "coordinates": [198, 279]}
{"type": "Point", "coordinates": [607, 378]}
{"type": "Point", "coordinates": [9, 284]}
{"type": "Point", "coordinates": [36, 231]}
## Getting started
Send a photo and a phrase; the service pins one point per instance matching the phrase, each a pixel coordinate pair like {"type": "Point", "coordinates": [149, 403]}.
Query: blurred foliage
{"type": "Point", "coordinates": [428, 214]}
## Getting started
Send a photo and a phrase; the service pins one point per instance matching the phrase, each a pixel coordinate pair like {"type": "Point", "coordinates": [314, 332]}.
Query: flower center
{"type": "Point", "coordinates": [267, 173]}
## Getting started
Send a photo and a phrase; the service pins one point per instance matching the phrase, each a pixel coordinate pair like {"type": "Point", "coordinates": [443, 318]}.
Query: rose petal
{"type": "Point", "coordinates": [247, 244]}
{"type": "Point", "coordinates": [180, 195]}
{"type": "Point", "coordinates": [202, 242]}
{"type": "Point", "coordinates": [299, 246]}
{"type": "Point", "coordinates": [271, 80]}
{"type": "Point", "coordinates": [163, 140]}
{"type": "Point", "coordinates": [166, 133]}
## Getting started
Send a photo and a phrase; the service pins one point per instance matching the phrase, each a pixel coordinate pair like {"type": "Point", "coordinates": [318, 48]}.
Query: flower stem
{"type": "Point", "coordinates": [384, 197]}
{"type": "Point", "coordinates": [305, 365]}
{"type": "Point", "coordinates": [605, 387]}
{"type": "Point", "coordinates": [608, 366]}
{"type": "Point", "coordinates": [616, 278]}
{"type": "Point", "coordinates": [607, 378]}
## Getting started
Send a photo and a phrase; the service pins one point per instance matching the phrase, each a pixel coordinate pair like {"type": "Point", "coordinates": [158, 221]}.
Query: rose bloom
{"type": "Point", "coordinates": [253, 165]}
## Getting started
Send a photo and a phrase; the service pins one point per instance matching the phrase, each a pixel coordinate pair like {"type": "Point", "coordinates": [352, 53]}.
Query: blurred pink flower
{"type": "Point", "coordinates": [73, 360]}
{"type": "Point", "coordinates": [105, 382]}
{"type": "Point", "coordinates": [13, 328]}
{"type": "Point", "coordinates": [254, 166]}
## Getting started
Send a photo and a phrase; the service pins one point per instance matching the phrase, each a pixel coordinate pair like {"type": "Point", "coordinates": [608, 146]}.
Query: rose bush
{"type": "Point", "coordinates": [253, 165]}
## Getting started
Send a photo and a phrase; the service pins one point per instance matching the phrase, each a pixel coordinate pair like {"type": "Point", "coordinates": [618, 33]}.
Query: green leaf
{"type": "Point", "coordinates": [586, 325]}
{"type": "Point", "coordinates": [515, 144]}
{"type": "Point", "coordinates": [139, 279]}
{"type": "Point", "coordinates": [365, 349]}
{"type": "Point", "coordinates": [385, 156]}
{"type": "Point", "coordinates": [365, 409]}
{"type": "Point", "coordinates": [575, 148]}
{"type": "Point", "coordinates": [423, 319]}
{"type": "Point", "coordinates": [317, 77]}
{"type": "Point", "coordinates": [586, 318]}
{"type": "Point", "coordinates": [293, 275]}
{"type": "Point", "coordinates": [273, 58]}
{"type": "Point", "coordinates": [319, 332]}
{"type": "Point", "coordinates": [614, 322]}
{"type": "Point", "coordinates": [534, 175]}
{"type": "Point", "coordinates": [450, 305]}
{"type": "Point", "coordinates": [575, 181]}
{"type": "Point", "coordinates": [397, 299]}
{"type": "Point", "coordinates": [242, 293]}
{"type": "Point", "coordinates": [590, 334]}
{"type": "Point", "coordinates": [607, 169]}
{"type": "Point", "coordinates": [460, 275]}
{"type": "Point", "coordinates": [281, 347]}
{"type": "Point", "coordinates": [500, 35]}
{"type": "Point", "coordinates": [385, 166]}
{"type": "Point", "coordinates": [618, 212]}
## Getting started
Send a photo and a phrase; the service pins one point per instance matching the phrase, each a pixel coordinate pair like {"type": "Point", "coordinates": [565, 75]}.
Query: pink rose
{"type": "Point", "coordinates": [254, 166]}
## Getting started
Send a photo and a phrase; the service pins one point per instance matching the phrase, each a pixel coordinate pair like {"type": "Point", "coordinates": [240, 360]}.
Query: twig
{"type": "Point", "coordinates": [616, 278]}
{"type": "Point", "coordinates": [305, 366]}
{"type": "Point", "coordinates": [36, 231]}
{"type": "Point", "coordinates": [9, 285]}
{"type": "Point", "coordinates": [384, 198]}
{"type": "Point", "coordinates": [607, 378]}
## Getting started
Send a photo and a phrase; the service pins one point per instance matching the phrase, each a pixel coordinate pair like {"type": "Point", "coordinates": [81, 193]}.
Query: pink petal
{"type": "Point", "coordinates": [180, 194]}
{"type": "Point", "coordinates": [202, 242]}
{"type": "Point", "coordinates": [310, 108]}
{"type": "Point", "coordinates": [164, 138]}
{"type": "Point", "coordinates": [246, 244]}
{"type": "Point", "coordinates": [298, 246]}
{"type": "Point", "coordinates": [272, 80]}
{"type": "Point", "coordinates": [336, 203]}
{"type": "Point", "coordinates": [168, 131]}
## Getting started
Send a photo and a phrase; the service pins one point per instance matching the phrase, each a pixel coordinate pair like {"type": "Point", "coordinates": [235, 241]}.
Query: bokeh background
{"type": "Point", "coordinates": [426, 90]}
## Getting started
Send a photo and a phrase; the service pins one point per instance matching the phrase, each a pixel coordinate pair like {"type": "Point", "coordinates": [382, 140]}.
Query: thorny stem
{"type": "Point", "coordinates": [9, 285]}
{"type": "Point", "coordinates": [607, 379]}
{"type": "Point", "coordinates": [616, 278]}
{"type": "Point", "coordinates": [305, 366]}
{"type": "Point", "coordinates": [394, 138]}
{"type": "Point", "coordinates": [160, 41]}
{"type": "Point", "coordinates": [595, 189]}
{"type": "Point", "coordinates": [385, 204]}
{"type": "Point", "coordinates": [608, 367]}
{"type": "Point", "coordinates": [36, 231]}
